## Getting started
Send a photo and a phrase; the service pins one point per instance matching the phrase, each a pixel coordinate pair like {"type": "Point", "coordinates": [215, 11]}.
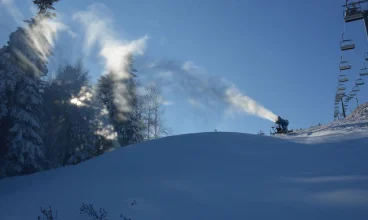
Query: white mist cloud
{"type": "Point", "coordinates": [343, 197]}
{"type": "Point", "coordinates": [13, 10]}
{"type": "Point", "coordinates": [44, 29]}
{"type": "Point", "coordinates": [327, 179]}
{"type": "Point", "coordinates": [248, 105]}
{"type": "Point", "coordinates": [195, 103]}
{"type": "Point", "coordinates": [99, 31]}
{"type": "Point", "coordinates": [205, 92]}
{"type": "Point", "coordinates": [83, 98]}
{"type": "Point", "coordinates": [97, 21]}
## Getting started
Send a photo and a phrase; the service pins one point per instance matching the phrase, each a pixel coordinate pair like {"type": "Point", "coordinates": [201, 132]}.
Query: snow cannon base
{"type": "Point", "coordinates": [281, 126]}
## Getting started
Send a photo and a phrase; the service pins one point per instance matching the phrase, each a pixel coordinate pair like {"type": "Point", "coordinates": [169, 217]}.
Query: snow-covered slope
{"type": "Point", "coordinates": [207, 176]}
{"type": "Point", "coordinates": [353, 126]}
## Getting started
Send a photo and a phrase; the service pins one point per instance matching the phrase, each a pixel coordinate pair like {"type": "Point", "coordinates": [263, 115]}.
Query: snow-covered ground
{"type": "Point", "coordinates": [353, 126]}
{"type": "Point", "coordinates": [321, 173]}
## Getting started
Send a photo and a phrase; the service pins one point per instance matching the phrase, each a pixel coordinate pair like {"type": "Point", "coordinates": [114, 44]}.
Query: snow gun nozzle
{"type": "Point", "coordinates": [282, 122]}
{"type": "Point", "coordinates": [278, 120]}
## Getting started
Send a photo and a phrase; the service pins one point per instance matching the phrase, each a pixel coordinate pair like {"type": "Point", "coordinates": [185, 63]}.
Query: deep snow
{"type": "Point", "coordinates": [213, 176]}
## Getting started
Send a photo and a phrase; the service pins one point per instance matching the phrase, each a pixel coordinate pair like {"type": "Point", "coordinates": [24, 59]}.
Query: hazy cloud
{"type": "Point", "coordinates": [345, 197]}
{"type": "Point", "coordinates": [204, 91]}
{"type": "Point", "coordinates": [97, 22]}
{"type": "Point", "coordinates": [13, 10]}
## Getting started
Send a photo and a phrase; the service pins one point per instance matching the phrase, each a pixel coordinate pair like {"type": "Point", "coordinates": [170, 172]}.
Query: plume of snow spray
{"type": "Point", "coordinates": [113, 51]}
{"type": "Point", "coordinates": [204, 90]}
{"type": "Point", "coordinates": [248, 105]}
{"type": "Point", "coordinates": [14, 12]}
{"type": "Point", "coordinates": [41, 36]}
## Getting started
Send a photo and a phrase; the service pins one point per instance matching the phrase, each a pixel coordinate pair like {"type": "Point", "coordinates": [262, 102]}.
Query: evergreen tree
{"type": "Point", "coordinates": [106, 94]}
{"type": "Point", "coordinates": [8, 80]}
{"type": "Point", "coordinates": [22, 65]}
{"type": "Point", "coordinates": [44, 6]}
{"type": "Point", "coordinates": [127, 124]}
{"type": "Point", "coordinates": [68, 117]}
{"type": "Point", "coordinates": [133, 127]}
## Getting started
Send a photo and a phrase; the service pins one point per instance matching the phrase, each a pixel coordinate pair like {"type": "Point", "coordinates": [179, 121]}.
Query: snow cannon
{"type": "Point", "coordinates": [281, 126]}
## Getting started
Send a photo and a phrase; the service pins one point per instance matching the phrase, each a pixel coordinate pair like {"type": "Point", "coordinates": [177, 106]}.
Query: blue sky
{"type": "Point", "coordinates": [283, 54]}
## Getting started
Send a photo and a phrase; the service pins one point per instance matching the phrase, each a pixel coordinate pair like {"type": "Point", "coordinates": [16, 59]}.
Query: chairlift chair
{"type": "Point", "coordinates": [355, 89]}
{"type": "Point", "coordinates": [364, 71]}
{"type": "Point", "coordinates": [353, 13]}
{"type": "Point", "coordinates": [338, 97]}
{"type": "Point", "coordinates": [344, 65]}
{"type": "Point", "coordinates": [341, 87]}
{"type": "Point", "coordinates": [366, 56]}
{"type": "Point", "coordinates": [340, 93]}
{"type": "Point", "coordinates": [359, 82]}
{"type": "Point", "coordinates": [346, 44]}
{"type": "Point", "coordinates": [343, 78]}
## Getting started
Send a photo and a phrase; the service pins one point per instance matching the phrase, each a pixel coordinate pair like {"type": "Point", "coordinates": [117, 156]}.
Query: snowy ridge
{"type": "Point", "coordinates": [353, 126]}
{"type": "Point", "coordinates": [356, 119]}
{"type": "Point", "coordinates": [359, 114]}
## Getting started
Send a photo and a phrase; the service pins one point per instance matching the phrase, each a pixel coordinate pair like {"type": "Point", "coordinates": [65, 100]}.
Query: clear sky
{"type": "Point", "coordinates": [283, 54]}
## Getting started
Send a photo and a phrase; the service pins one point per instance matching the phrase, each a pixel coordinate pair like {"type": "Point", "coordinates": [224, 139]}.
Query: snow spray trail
{"type": "Point", "coordinates": [97, 25]}
{"type": "Point", "coordinates": [203, 89]}
{"type": "Point", "coordinates": [40, 35]}
{"type": "Point", "coordinates": [114, 52]}
{"type": "Point", "coordinates": [248, 105]}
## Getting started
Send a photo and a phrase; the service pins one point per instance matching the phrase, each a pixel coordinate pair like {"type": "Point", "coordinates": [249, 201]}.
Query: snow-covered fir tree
{"type": "Point", "coordinates": [22, 60]}
{"type": "Point", "coordinates": [69, 131]}
{"type": "Point", "coordinates": [22, 63]}
{"type": "Point", "coordinates": [133, 127]}
{"type": "Point", "coordinates": [127, 124]}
